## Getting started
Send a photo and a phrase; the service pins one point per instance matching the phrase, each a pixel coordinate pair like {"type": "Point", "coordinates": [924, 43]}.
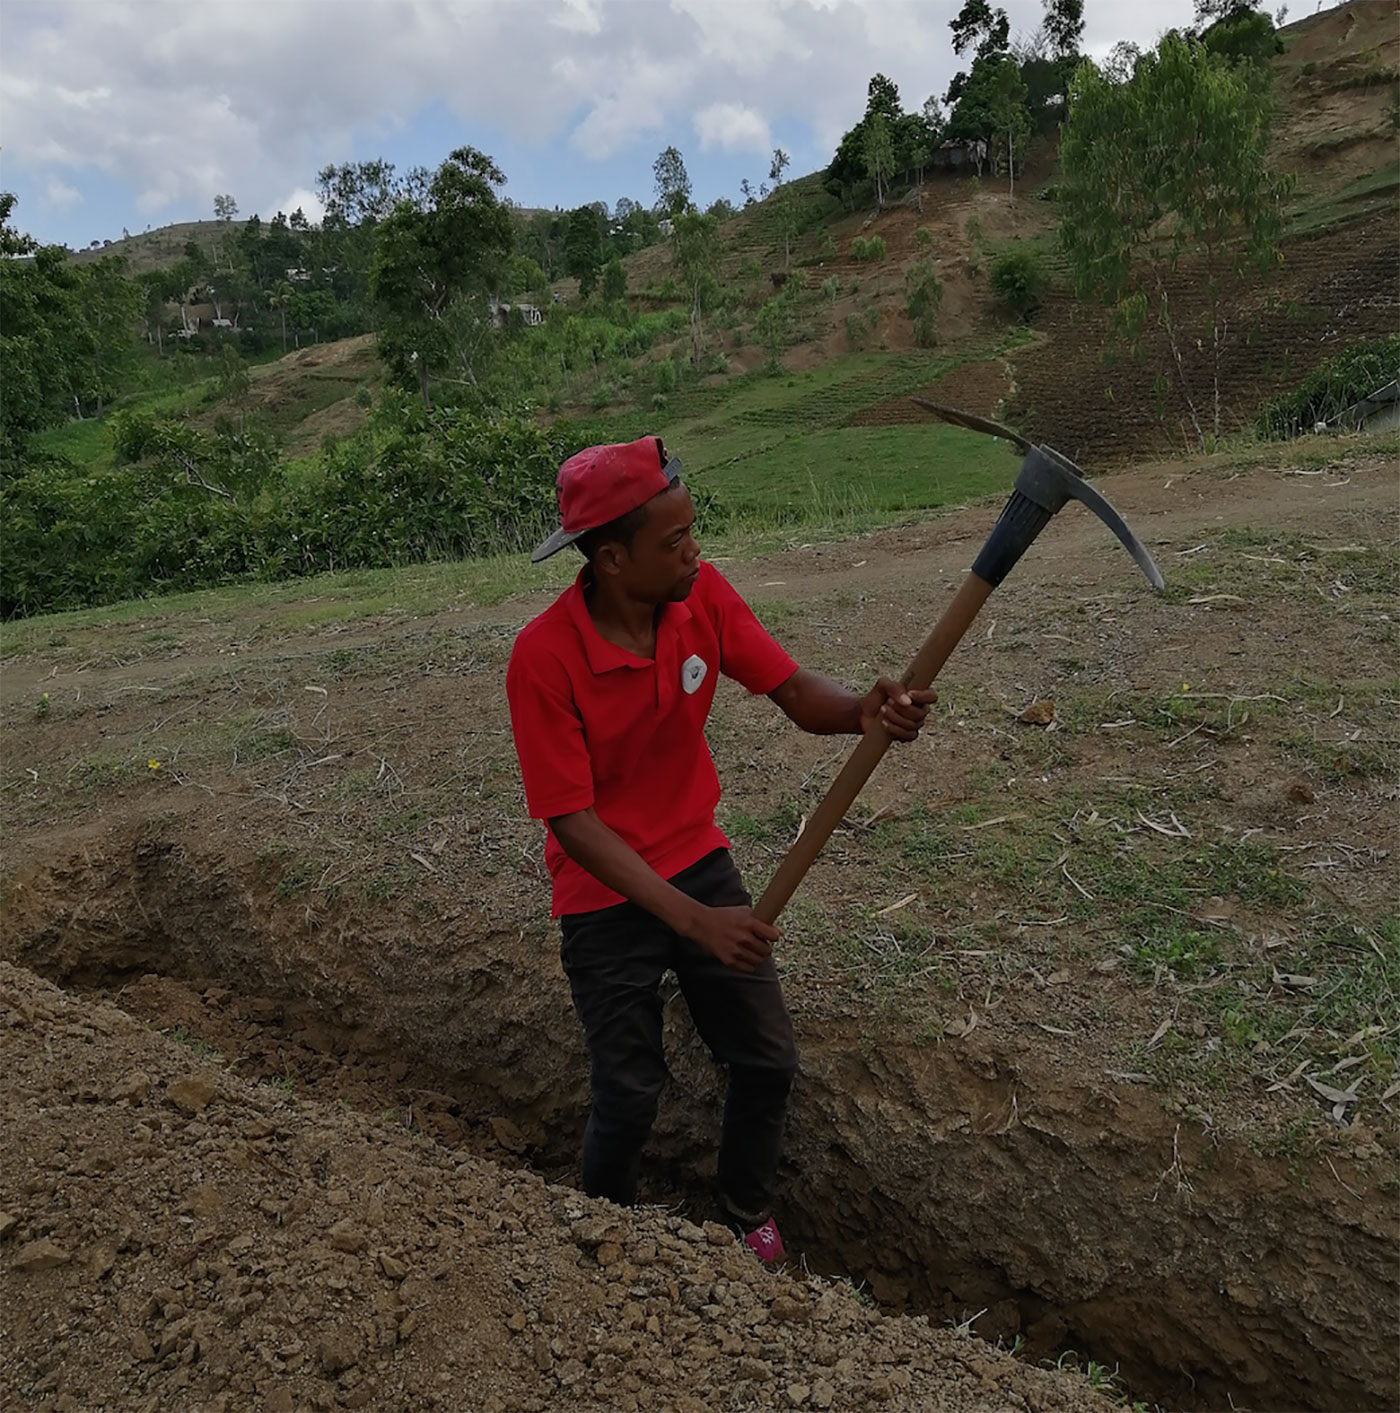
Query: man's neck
{"type": "Point", "coordinates": [627, 623]}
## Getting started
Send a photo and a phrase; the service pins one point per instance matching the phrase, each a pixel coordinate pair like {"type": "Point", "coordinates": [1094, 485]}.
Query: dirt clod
{"type": "Point", "coordinates": [41, 1255]}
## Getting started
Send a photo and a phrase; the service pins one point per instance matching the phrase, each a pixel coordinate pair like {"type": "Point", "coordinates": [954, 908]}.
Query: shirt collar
{"type": "Point", "coordinates": [602, 655]}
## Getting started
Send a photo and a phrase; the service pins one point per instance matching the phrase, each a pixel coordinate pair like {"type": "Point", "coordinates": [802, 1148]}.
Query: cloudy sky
{"type": "Point", "coordinates": [135, 113]}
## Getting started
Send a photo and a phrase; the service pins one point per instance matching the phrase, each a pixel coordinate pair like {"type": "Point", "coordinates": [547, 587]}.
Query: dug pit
{"type": "Point", "coordinates": [964, 1180]}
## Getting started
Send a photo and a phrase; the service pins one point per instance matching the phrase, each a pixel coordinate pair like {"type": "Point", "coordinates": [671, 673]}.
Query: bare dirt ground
{"type": "Point", "coordinates": [1098, 1015]}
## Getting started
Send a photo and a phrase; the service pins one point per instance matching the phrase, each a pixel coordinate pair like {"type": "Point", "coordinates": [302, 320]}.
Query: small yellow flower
{"type": "Point", "coordinates": [1185, 686]}
{"type": "Point", "coordinates": [154, 764]}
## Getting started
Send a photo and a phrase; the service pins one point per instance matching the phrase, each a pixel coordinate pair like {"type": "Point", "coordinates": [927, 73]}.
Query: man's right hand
{"type": "Point", "coordinates": [739, 939]}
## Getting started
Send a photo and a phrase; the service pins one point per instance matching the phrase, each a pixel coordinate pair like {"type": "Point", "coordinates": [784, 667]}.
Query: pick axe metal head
{"type": "Point", "coordinates": [1046, 481]}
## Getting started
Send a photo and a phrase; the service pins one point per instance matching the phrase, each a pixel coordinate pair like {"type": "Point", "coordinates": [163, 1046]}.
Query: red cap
{"type": "Point", "coordinates": [601, 483]}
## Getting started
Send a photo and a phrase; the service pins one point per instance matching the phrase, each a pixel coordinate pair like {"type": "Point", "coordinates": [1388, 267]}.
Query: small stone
{"type": "Point", "coordinates": [393, 1268]}
{"type": "Point", "coordinates": [798, 1394]}
{"type": "Point", "coordinates": [338, 1352]}
{"type": "Point", "coordinates": [347, 1237]}
{"type": "Point", "coordinates": [1039, 713]}
{"type": "Point", "coordinates": [822, 1394]}
{"type": "Point", "coordinates": [717, 1235]}
{"type": "Point", "coordinates": [133, 1086]}
{"type": "Point", "coordinates": [408, 1324]}
{"type": "Point", "coordinates": [544, 1360]}
{"type": "Point", "coordinates": [41, 1255]}
{"type": "Point", "coordinates": [204, 1201]}
{"type": "Point", "coordinates": [594, 1231]}
{"type": "Point", "coordinates": [142, 1350]}
{"type": "Point", "coordinates": [756, 1369]}
{"type": "Point", "coordinates": [280, 1400]}
{"type": "Point", "coordinates": [509, 1136]}
{"type": "Point", "coordinates": [516, 1323]}
{"type": "Point", "coordinates": [787, 1310]}
{"type": "Point", "coordinates": [102, 1258]}
{"type": "Point", "coordinates": [191, 1094]}
{"type": "Point", "coordinates": [609, 1253]}
{"type": "Point", "coordinates": [688, 1231]}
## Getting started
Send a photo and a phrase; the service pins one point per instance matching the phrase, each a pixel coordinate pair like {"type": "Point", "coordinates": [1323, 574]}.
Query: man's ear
{"type": "Point", "coordinates": [608, 558]}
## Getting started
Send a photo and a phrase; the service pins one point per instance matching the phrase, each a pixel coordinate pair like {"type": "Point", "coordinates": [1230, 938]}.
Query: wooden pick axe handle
{"type": "Point", "coordinates": [937, 648]}
{"type": "Point", "coordinates": [1046, 482]}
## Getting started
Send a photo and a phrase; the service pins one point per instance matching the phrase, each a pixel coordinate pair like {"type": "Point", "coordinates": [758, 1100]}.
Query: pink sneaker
{"type": "Point", "coordinates": [766, 1244]}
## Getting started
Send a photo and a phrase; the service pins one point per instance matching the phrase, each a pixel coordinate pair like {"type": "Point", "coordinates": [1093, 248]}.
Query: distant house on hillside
{"type": "Point", "coordinates": [959, 156]}
{"type": "Point", "coordinates": [500, 310]}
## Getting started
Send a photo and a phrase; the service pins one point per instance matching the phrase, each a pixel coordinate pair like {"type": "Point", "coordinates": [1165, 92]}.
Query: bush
{"type": "Point", "coordinates": [1019, 280]}
{"type": "Point", "coordinates": [868, 250]}
{"type": "Point", "coordinates": [1330, 390]}
{"type": "Point", "coordinates": [198, 510]}
{"type": "Point", "coordinates": [665, 377]}
{"type": "Point", "coordinates": [924, 302]}
{"type": "Point", "coordinates": [831, 287]}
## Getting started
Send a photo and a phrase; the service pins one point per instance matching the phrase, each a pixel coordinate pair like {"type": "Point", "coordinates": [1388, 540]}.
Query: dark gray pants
{"type": "Point", "coordinates": [614, 959]}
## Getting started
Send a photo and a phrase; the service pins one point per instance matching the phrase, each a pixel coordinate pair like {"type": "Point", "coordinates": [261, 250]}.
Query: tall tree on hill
{"type": "Point", "coordinates": [785, 200]}
{"type": "Point", "coordinates": [984, 30]}
{"type": "Point", "coordinates": [879, 156]}
{"type": "Point", "coordinates": [225, 208]}
{"type": "Point", "coordinates": [434, 264]}
{"type": "Point", "coordinates": [695, 252]}
{"type": "Point", "coordinates": [583, 249]}
{"type": "Point", "coordinates": [1064, 27]}
{"type": "Point", "coordinates": [672, 183]}
{"type": "Point", "coordinates": [980, 27]}
{"type": "Point", "coordinates": [1166, 166]}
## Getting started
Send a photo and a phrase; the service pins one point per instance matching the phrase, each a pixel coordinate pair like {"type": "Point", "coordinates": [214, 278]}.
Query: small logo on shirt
{"type": "Point", "coordinates": [693, 672]}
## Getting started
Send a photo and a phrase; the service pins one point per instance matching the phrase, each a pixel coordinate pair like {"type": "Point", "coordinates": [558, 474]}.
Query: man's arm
{"type": "Point", "coordinates": [733, 935]}
{"type": "Point", "coordinates": [825, 708]}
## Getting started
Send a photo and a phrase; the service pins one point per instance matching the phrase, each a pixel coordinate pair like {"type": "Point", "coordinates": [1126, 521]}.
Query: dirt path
{"type": "Point", "coordinates": [1061, 990]}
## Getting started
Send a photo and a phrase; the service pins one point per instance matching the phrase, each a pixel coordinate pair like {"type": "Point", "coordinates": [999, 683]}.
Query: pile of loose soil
{"type": "Point", "coordinates": [174, 1237]}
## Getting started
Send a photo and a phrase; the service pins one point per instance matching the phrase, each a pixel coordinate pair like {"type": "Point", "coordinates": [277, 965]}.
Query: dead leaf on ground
{"type": "Point", "coordinates": [1159, 1033]}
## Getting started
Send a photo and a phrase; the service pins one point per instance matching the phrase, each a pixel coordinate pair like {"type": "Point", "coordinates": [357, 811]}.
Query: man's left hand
{"type": "Point", "coordinates": [900, 711]}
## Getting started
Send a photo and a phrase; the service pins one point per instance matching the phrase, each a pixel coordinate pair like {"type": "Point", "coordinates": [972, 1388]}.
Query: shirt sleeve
{"type": "Point", "coordinates": [548, 730]}
{"type": "Point", "coordinates": [747, 651]}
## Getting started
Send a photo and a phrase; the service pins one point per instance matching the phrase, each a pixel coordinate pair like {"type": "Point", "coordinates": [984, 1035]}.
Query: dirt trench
{"type": "Point", "coordinates": [1068, 1209]}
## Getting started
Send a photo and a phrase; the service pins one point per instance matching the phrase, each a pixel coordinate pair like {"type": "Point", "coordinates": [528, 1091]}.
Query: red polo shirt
{"type": "Point", "coordinates": [596, 725]}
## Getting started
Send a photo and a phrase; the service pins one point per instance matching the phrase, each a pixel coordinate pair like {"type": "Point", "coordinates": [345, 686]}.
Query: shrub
{"type": "Point", "coordinates": [664, 377]}
{"type": "Point", "coordinates": [923, 238]}
{"type": "Point", "coordinates": [831, 287]}
{"type": "Point", "coordinates": [1337, 385]}
{"type": "Point", "coordinates": [924, 301]}
{"type": "Point", "coordinates": [1019, 280]}
{"type": "Point", "coordinates": [827, 249]}
{"type": "Point", "coordinates": [868, 250]}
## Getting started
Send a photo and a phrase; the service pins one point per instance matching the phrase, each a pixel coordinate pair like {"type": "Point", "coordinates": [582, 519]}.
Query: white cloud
{"type": "Point", "coordinates": [173, 102]}
{"type": "Point", "coordinates": [304, 200]}
{"type": "Point", "coordinates": [60, 195]}
{"type": "Point", "coordinates": [734, 127]}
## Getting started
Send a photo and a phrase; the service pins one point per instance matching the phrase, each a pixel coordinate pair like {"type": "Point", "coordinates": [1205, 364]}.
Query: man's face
{"type": "Point", "coordinates": [662, 564]}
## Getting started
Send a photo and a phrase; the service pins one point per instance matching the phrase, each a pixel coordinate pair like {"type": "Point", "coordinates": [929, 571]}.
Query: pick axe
{"type": "Point", "coordinates": [1044, 484]}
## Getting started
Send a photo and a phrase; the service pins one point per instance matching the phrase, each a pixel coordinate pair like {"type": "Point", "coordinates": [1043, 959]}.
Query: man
{"type": "Point", "coordinates": [609, 691]}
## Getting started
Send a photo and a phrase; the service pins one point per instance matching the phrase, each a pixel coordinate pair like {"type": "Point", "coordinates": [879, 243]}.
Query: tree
{"type": "Point", "coordinates": [1166, 166]}
{"type": "Point", "coordinates": [225, 208]}
{"type": "Point", "coordinates": [672, 183]}
{"type": "Point", "coordinates": [583, 249]}
{"type": "Point", "coordinates": [785, 201]}
{"type": "Point", "coordinates": [1064, 27]}
{"type": "Point", "coordinates": [280, 299]}
{"type": "Point", "coordinates": [879, 156]}
{"type": "Point", "coordinates": [980, 27]}
{"type": "Point", "coordinates": [109, 305]}
{"type": "Point", "coordinates": [923, 301]}
{"type": "Point", "coordinates": [434, 264]}
{"type": "Point", "coordinates": [993, 110]}
{"type": "Point", "coordinates": [614, 281]}
{"type": "Point", "coordinates": [40, 334]}
{"type": "Point", "coordinates": [695, 252]}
